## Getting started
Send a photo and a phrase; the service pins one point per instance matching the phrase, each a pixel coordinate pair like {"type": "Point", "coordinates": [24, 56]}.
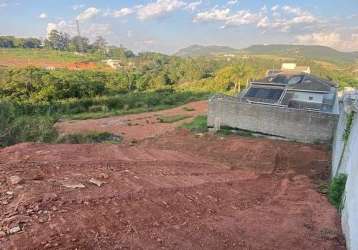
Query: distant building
{"type": "Point", "coordinates": [290, 68]}
{"type": "Point", "coordinates": [114, 64]}
{"type": "Point", "coordinates": [300, 91]}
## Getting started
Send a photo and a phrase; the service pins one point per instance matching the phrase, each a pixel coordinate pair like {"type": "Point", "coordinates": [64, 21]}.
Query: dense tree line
{"type": "Point", "coordinates": [58, 41]}
{"type": "Point", "coordinates": [63, 41]}
{"type": "Point", "coordinates": [14, 42]}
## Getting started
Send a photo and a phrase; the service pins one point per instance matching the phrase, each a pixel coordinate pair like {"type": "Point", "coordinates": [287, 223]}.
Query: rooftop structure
{"type": "Point", "coordinates": [300, 91]}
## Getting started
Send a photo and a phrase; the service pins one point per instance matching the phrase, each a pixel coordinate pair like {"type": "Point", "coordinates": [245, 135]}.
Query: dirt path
{"type": "Point", "coordinates": [173, 191]}
{"type": "Point", "coordinates": [137, 126]}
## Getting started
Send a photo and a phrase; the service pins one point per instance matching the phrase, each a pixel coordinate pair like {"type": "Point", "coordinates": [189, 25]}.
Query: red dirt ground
{"type": "Point", "coordinates": [137, 126]}
{"type": "Point", "coordinates": [173, 191]}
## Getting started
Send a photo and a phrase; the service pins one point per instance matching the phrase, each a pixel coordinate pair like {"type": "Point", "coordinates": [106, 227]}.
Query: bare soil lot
{"type": "Point", "coordinates": [176, 190]}
{"type": "Point", "coordinates": [136, 126]}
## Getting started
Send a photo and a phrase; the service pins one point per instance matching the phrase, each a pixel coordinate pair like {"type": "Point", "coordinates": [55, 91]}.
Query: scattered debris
{"type": "Point", "coordinates": [73, 185]}
{"type": "Point", "coordinates": [104, 176]}
{"type": "Point", "coordinates": [96, 182]}
{"type": "Point", "coordinates": [2, 234]}
{"type": "Point", "coordinates": [15, 230]}
{"type": "Point", "coordinates": [15, 180]}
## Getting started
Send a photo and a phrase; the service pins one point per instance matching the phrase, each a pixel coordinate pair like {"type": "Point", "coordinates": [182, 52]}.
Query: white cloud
{"type": "Point", "coordinates": [90, 30]}
{"type": "Point", "coordinates": [96, 29]}
{"type": "Point", "coordinates": [62, 26]}
{"type": "Point", "coordinates": [213, 15]}
{"type": "Point", "coordinates": [50, 27]}
{"type": "Point", "coordinates": [279, 18]}
{"type": "Point", "coordinates": [78, 6]}
{"type": "Point", "coordinates": [154, 9]}
{"type": "Point", "coordinates": [227, 18]}
{"type": "Point", "coordinates": [331, 39]}
{"type": "Point", "coordinates": [123, 12]}
{"type": "Point", "coordinates": [159, 8]}
{"type": "Point", "coordinates": [232, 2]}
{"type": "Point", "coordinates": [263, 23]}
{"type": "Point", "coordinates": [88, 14]}
{"type": "Point", "coordinates": [193, 5]}
{"type": "Point", "coordinates": [148, 42]}
{"type": "Point", "coordinates": [274, 8]}
{"type": "Point", "coordinates": [43, 16]}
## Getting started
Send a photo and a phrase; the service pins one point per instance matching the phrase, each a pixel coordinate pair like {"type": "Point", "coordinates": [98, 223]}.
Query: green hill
{"type": "Point", "coordinates": [313, 52]}
{"type": "Point", "coordinates": [198, 50]}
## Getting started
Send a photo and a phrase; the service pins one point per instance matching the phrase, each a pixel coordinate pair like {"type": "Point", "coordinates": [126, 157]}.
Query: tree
{"type": "Point", "coordinates": [58, 40]}
{"type": "Point", "coordinates": [7, 42]}
{"type": "Point", "coordinates": [100, 44]}
{"type": "Point", "coordinates": [32, 43]}
{"type": "Point", "coordinates": [79, 44]}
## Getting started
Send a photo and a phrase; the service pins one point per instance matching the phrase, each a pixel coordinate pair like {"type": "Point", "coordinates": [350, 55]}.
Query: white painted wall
{"type": "Point", "coordinates": [348, 165]}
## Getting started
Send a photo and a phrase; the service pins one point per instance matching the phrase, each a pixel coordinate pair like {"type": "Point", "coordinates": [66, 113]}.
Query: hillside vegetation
{"type": "Point", "coordinates": [198, 50]}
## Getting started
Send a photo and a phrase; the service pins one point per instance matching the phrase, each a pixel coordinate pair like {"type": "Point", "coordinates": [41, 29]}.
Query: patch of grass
{"type": "Point", "coordinates": [90, 138]}
{"type": "Point", "coordinates": [34, 55]}
{"type": "Point", "coordinates": [99, 115]}
{"type": "Point", "coordinates": [173, 118]}
{"type": "Point", "coordinates": [16, 129]}
{"type": "Point", "coordinates": [225, 131]}
{"type": "Point", "coordinates": [188, 109]}
{"type": "Point", "coordinates": [336, 190]}
{"type": "Point", "coordinates": [323, 187]}
{"type": "Point", "coordinates": [348, 128]}
{"type": "Point", "coordinates": [198, 125]}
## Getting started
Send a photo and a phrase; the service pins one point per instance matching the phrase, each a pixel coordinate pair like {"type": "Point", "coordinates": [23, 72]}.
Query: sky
{"type": "Point", "coordinates": [168, 25]}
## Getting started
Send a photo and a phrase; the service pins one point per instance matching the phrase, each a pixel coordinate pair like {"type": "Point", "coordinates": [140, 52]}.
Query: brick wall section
{"type": "Point", "coordinates": [298, 125]}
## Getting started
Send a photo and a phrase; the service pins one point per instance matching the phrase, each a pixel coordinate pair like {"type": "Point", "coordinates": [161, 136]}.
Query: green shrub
{"type": "Point", "coordinates": [198, 125]}
{"type": "Point", "coordinates": [172, 119]}
{"type": "Point", "coordinates": [336, 190]}
{"type": "Point", "coordinates": [188, 109]}
{"type": "Point", "coordinates": [90, 138]}
{"type": "Point", "coordinates": [29, 129]}
{"type": "Point", "coordinates": [98, 108]}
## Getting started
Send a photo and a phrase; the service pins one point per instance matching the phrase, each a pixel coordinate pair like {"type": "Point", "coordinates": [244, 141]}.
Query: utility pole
{"type": "Point", "coordinates": [80, 45]}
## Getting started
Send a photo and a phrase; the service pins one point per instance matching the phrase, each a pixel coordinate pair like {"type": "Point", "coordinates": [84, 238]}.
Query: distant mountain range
{"type": "Point", "coordinates": [198, 50]}
{"type": "Point", "coordinates": [307, 51]}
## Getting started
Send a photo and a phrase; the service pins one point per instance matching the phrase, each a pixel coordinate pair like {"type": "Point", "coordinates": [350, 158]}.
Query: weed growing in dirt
{"type": "Point", "coordinates": [348, 128]}
{"type": "Point", "coordinates": [188, 109]}
{"type": "Point", "coordinates": [16, 128]}
{"type": "Point", "coordinates": [90, 138]}
{"type": "Point", "coordinates": [172, 119]}
{"type": "Point", "coordinates": [336, 190]}
{"type": "Point", "coordinates": [225, 131]}
{"type": "Point", "coordinates": [198, 125]}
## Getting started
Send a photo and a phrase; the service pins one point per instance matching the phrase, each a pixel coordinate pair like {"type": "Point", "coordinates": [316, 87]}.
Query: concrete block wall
{"type": "Point", "coordinates": [299, 125]}
{"type": "Point", "coordinates": [349, 166]}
